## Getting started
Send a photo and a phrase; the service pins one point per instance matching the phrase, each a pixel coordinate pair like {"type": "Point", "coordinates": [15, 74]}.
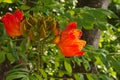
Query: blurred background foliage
{"type": "Point", "coordinates": [45, 62]}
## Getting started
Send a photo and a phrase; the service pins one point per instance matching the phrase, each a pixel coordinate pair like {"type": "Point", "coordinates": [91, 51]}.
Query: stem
{"type": "Point", "coordinates": [38, 58]}
{"type": "Point", "coordinates": [40, 46]}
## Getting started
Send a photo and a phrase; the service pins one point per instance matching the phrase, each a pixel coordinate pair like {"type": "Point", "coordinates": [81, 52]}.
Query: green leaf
{"type": "Point", "coordinates": [81, 77]}
{"type": "Point", "coordinates": [102, 25]}
{"type": "Point", "coordinates": [104, 60]}
{"type": "Point", "coordinates": [78, 61]}
{"type": "Point", "coordinates": [104, 77]}
{"type": "Point", "coordinates": [17, 73]}
{"type": "Point", "coordinates": [43, 73]}
{"type": "Point", "coordinates": [86, 64]}
{"type": "Point", "coordinates": [89, 77]}
{"type": "Point", "coordinates": [87, 21]}
{"type": "Point", "coordinates": [37, 76]}
{"type": "Point", "coordinates": [115, 64]}
{"type": "Point", "coordinates": [15, 76]}
{"type": "Point", "coordinates": [26, 78]}
{"type": "Point", "coordinates": [68, 66]}
{"type": "Point", "coordinates": [108, 13]}
{"type": "Point", "coordinates": [57, 65]}
{"type": "Point", "coordinates": [61, 73]}
{"type": "Point", "coordinates": [10, 58]}
{"type": "Point", "coordinates": [31, 77]}
{"type": "Point", "coordinates": [52, 79]}
{"type": "Point", "coordinates": [23, 49]}
{"type": "Point", "coordinates": [2, 57]}
{"type": "Point", "coordinates": [6, 1]}
{"type": "Point", "coordinates": [78, 76]}
{"type": "Point", "coordinates": [24, 7]}
{"type": "Point", "coordinates": [12, 49]}
{"type": "Point", "coordinates": [18, 70]}
{"type": "Point", "coordinates": [98, 60]}
{"type": "Point", "coordinates": [23, 45]}
{"type": "Point", "coordinates": [94, 76]}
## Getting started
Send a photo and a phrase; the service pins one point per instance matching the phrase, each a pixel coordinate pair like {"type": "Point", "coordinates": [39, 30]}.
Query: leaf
{"type": "Point", "coordinates": [104, 60]}
{"type": "Point", "coordinates": [24, 7]}
{"type": "Point", "coordinates": [68, 66]}
{"type": "Point", "coordinates": [17, 73]}
{"type": "Point", "coordinates": [78, 76]}
{"type": "Point", "coordinates": [23, 45]}
{"type": "Point", "coordinates": [98, 60]}
{"type": "Point", "coordinates": [115, 64]}
{"type": "Point", "coordinates": [61, 73]}
{"type": "Point", "coordinates": [6, 1]}
{"type": "Point", "coordinates": [78, 61]}
{"type": "Point", "coordinates": [15, 76]}
{"type": "Point", "coordinates": [108, 13]}
{"type": "Point", "coordinates": [81, 77]}
{"type": "Point", "coordinates": [37, 76]}
{"type": "Point", "coordinates": [25, 78]}
{"type": "Point", "coordinates": [43, 73]}
{"type": "Point", "coordinates": [104, 77]}
{"type": "Point", "coordinates": [12, 50]}
{"type": "Point", "coordinates": [31, 77]}
{"type": "Point", "coordinates": [2, 57]}
{"type": "Point", "coordinates": [18, 70]}
{"type": "Point", "coordinates": [86, 64]}
{"type": "Point", "coordinates": [10, 58]}
{"type": "Point", "coordinates": [87, 21]}
{"type": "Point", "coordinates": [101, 25]}
{"type": "Point", "coordinates": [89, 77]}
{"type": "Point", "coordinates": [23, 49]}
{"type": "Point", "coordinates": [95, 77]}
{"type": "Point", "coordinates": [56, 65]}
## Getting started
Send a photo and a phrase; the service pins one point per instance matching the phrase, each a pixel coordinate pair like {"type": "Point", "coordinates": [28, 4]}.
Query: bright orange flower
{"type": "Point", "coordinates": [12, 23]}
{"type": "Point", "coordinates": [70, 43]}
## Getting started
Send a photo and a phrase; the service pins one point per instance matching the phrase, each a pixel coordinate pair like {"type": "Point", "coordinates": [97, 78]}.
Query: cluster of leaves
{"type": "Point", "coordinates": [110, 38]}
{"type": "Point", "coordinates": [44, 61]}
{"type": "Point", "coordinates": [111, 35]}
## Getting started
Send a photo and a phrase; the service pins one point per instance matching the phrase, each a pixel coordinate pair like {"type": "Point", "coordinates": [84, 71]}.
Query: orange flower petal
{"type": "Point", "coordinates": [18, 14]}
{"type": "Point", "coordinates": [56, 40]}
{"type": "Point", "coordinates": [70, 43]}
{"type": "Point", "coordinates": [12, 23]}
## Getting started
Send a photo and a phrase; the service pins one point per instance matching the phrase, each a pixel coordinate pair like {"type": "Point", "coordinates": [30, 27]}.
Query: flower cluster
{"type": "Point", "coordinates": [70, 43]}
{"type": "Point", "coordinates": [12, 23]}
{"type": "Point", "coordinates": [68, 40]}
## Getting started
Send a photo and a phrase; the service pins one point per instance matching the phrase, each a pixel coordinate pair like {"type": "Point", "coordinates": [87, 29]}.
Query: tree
{"type": "Point", "coordinates": [94, 35]}
{"type": "Point", "coordinates": [34, 56]}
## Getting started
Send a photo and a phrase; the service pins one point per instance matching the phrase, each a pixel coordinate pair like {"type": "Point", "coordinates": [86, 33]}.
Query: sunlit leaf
{"type": "Point", "coordinates": [89, 77]}
{"type": "Point", "coordinates": [43, 73]}
{"type": "Point", "coordinates": [61, 73]}
{"type": "Point", "coordinates": [6, 1]}
{"type": "Point", "coordinates": [68, 66]}
{"type": "Point", "coordinates": [98, 60]}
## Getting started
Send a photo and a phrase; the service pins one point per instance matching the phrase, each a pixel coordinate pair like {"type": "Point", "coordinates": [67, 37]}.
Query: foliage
{"type": "Point", "coordinates": [40, 59]}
